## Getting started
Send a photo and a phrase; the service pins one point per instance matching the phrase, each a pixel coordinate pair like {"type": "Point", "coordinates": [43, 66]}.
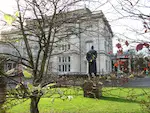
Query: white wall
{"type": "Point", "coordinates": [96, 33]}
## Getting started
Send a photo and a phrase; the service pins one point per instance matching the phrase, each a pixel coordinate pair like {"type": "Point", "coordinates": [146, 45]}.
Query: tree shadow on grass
{"type": "Point", "coordinates": [119, 99]}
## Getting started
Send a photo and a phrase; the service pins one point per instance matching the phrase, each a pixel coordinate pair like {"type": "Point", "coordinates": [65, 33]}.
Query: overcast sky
{"type": "Point", "coordinates": [7, 6]}
{"type": "Point", "coordinates": [128, 28]}
{"type": "Point", "coordinates": [112, 12]}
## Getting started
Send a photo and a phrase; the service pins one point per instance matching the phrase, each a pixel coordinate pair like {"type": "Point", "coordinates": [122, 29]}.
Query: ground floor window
{"type": "Point", "coordinates": [64, 63]}
{"type": "Point", "coordinates": [64, 68]}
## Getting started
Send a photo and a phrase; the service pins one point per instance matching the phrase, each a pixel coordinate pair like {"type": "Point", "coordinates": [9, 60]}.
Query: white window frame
{"type": "Point", "coordinates": [64, 65]}
{"type": "Point", "coordinates": [88, 45]}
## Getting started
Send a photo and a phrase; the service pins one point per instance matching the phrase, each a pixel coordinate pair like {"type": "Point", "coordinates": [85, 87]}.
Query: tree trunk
{"type": "Point", "coordinates": [2, 93]}
{"type": "Point", "coordinates": [34, 104]}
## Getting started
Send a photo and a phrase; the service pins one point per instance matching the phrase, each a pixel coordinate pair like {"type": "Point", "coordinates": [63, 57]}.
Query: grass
{"type": "Point", "coordinates": [114, 100]}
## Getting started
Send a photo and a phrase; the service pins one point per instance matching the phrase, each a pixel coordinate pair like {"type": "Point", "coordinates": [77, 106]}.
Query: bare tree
{"type": "Point", "coordinates": [39, 27]}
{"type": "Point", "coordinates": [137, 14]}
{"type": "Point", "coordinates": [44, 28]}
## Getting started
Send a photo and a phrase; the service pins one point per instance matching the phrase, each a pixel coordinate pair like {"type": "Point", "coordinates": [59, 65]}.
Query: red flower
{"type": "Point", "coordinates": [116, 64]}
{"type": "Point", "coordinates": [139, 47]}
{"type": "Point", "coordinates": [127, 43]}
{"type": "Point", "coordinates": [110, 52]}
{"type": "Point", "coordinates": [145, 69]}
{"type": "Point", "coordinates": [121, 62]}
{"type": "Point", "coordinates": [120, 51]}
{"type": "Point", "coordinates": [118, 45]}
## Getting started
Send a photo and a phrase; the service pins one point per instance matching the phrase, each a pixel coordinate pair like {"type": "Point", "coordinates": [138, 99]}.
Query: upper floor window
{"type": "Point", "coordinates": [105, 46]}
{"type": "Point", "coordinates": [64, 59]}
{"type": "Point", "coordinates": [64, 47]}
{"type": "Point", "coordinates": [88, 45]}
{"type": "Point", "coordinates": [68, 58]}
{"type": "Point", "coordinates": [59, 59]}
{"type": "Point", "coordinates": [68, 46]}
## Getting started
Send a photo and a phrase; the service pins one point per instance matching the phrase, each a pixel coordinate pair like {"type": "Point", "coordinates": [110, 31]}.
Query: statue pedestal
{"type": "Point", "coordinates": [92, 89]}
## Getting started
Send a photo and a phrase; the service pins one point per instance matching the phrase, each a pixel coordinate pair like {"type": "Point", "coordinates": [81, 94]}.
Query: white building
{"type": "Point", "coordinates": [97, 33]}
{"type": "Point", "coordinates": [91, 28]}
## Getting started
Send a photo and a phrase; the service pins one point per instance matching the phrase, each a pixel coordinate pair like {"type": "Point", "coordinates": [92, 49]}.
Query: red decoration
{"type": "Point", "coordinates": [118, 45]}
{"type": "Point", "coordinates": [116, 64]}
{"type": "Point", "coordinates": [139, 47]}
{"type": "Point", "coordinates": [120, 51]}
{"type": "Point", "coordinates": [126, 43]}
{"type": "Point", "coordinates": [121, 62]}
{"type": "Point", "coordinates": [145, 68]}
{"type": "Point", "coordinates": [110, 52]}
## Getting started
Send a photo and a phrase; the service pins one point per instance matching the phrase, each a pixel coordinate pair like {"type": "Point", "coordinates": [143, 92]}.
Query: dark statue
{"type": "Point", "coordinates": [91, 58]}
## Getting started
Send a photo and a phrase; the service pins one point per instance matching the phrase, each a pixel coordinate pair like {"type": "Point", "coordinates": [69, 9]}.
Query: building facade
{"type": "Point", "coordinates": [92, 28]}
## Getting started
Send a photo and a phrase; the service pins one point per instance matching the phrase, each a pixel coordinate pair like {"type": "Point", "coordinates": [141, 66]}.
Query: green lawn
{"type": "Point", "coordinates": [114, 100]}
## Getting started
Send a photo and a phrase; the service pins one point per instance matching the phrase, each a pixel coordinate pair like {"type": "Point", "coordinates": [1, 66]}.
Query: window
{"type": "Point", "coordinates": [64, 47]}
{"type": "Point", "coordinates": [109, 66]}
{"type": "Point", "coordinates": [14, 65]}
{"type": "Point", "coordinates": [59, 59]}
{"type": "Point", "coordinates": [68, 46]}
{"type": "Point", "coordinates": [64, 64]}
{"type": "Point", "coordinates": [9, 66]}
{"type": "Point", "coordinates": [105, 46]}
{"type": "Point", "coordinates": [63, 68]}
{"type": "Point", "coordinates": [106, 65]}
{"type": "Point", "coordinates": [59, 67]}
{"type": "Point", "coordinates": [69, 67]}
{"type": "Point", "coordinates": [68, 58]}
{"type": "Point", "coordinates": [88, 45]}
{"type": "Point", "coordinates": [63, 59]}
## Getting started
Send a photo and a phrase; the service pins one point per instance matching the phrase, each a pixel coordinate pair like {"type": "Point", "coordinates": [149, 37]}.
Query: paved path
{"type": "Point", "coordinates": [138, 82]}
